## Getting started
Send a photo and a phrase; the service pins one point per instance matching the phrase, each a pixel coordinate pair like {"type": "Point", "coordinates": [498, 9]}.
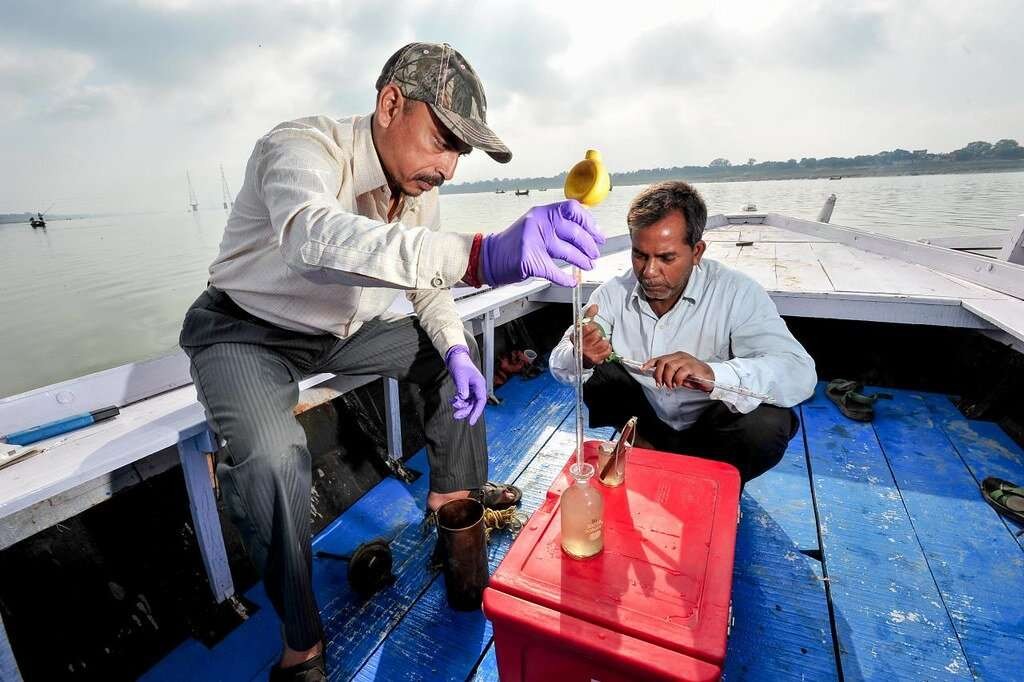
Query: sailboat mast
{"type": "Point", "coordinates": [192, 201]}
{"type": "Point", "coordinates": [224, 187]}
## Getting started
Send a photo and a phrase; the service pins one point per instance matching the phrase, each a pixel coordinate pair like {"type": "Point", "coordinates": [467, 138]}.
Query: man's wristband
{"type": "Point", "coordinates": [471, 277]}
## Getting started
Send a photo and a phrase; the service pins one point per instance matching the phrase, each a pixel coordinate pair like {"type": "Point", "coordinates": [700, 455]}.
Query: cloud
{"type": "Point", "coordinates": [31, 80]}
{"type": "Point", "coordinates": [827, 36]}
{"type": "Point", "coordinates": [677, 54]}
{"type": "Point", "coordinates": [88, 101]}
{"type": "Point", "coordinates": [155, 46]}
{"type": "Point", "coordinates": [509, 46]}
{"type": "Point", "coordinates": [138, 91]}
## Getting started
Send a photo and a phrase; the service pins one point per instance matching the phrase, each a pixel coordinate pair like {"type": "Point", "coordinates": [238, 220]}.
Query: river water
{"type": "Point", "coordinates": [86, 295]}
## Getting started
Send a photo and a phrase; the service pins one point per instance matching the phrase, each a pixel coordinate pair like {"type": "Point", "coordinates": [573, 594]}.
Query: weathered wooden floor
{"type": "Point", "coordinates": [868, 542]}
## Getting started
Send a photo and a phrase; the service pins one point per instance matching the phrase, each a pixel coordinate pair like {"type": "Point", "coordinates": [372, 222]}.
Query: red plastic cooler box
{"type": "Point", "coordinates": [654, 605]}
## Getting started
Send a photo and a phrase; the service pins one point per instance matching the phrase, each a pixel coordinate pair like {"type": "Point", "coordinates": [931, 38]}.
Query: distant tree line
{"type": "Point", "coordinates": [978, 155]}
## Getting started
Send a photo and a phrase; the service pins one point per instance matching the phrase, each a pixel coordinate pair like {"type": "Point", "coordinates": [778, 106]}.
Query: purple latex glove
{"type": "Point", "coordinates": [527, 248]}
{"type": "Point", "coordinates": [470, 387]}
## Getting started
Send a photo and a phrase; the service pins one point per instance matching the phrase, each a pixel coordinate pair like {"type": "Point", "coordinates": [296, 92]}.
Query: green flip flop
{"type": "Point", "coordinates": [1005, 497]}
{"type": "Point", "coordinates": [847, 396]}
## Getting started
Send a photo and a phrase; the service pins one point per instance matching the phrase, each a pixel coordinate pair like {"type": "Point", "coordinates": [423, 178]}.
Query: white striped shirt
{"type": "Point", "coordinates": [309, 247]}
{"type": "Point", "coordinates": [723, 318]}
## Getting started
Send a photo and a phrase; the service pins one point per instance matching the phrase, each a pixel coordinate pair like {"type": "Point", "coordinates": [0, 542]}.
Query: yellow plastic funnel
{"type": "Point", "coordinates": [588, 182]}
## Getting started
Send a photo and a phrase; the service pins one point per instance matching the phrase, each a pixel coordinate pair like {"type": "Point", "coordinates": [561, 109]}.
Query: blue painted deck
{"type": "Point", "coordinates": [920, 578]}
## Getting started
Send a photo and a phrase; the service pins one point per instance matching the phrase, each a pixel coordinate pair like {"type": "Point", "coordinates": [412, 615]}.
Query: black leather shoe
{"type": "Point", "coordinates": [313, 670]}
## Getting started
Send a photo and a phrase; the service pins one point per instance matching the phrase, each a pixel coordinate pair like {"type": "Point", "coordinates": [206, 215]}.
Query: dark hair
{"type": "Point", "coordinates": [658, 200]}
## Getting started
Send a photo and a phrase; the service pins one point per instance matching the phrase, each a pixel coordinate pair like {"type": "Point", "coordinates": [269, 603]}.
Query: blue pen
{"type": "Point", "coordinates": [55, 428]}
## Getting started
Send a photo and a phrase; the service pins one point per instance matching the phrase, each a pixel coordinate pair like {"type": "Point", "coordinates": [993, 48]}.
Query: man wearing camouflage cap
{"type": "Point", "coordinates": [334, 218]}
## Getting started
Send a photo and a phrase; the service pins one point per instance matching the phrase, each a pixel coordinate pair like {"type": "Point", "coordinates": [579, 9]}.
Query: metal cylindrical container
{"type": "Point", "coordinates": [460, 530]}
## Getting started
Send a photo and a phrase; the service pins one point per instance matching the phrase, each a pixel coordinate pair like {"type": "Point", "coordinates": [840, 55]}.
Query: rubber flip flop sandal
{"type": "Point", "coordinates": [837, 388]}
{"type": "Point", "coordinates": [496, 495]}
{"type": "Point", "coordinates": [1005, 497]}
{"type": "Point", "coordinates": [851, 402]}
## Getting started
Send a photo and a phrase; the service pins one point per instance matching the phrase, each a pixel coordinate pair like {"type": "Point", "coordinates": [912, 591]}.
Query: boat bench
{"type": "Point", "coordinates": [160, 414]}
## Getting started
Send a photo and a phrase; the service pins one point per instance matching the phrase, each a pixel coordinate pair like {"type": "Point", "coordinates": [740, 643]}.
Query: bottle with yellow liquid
{"type": "Point", "coordinates": [582, 515]}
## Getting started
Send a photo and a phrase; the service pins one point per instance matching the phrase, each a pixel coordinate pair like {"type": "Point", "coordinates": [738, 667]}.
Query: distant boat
{"type": "Point", "coordinates": [835, 177]}
{"type": "Point", "coordinates": [36, 222]}
{"type": "Point", "coordinates": [224, 188]}
{"type": "Point", "coordinates": [193, 203]}
{"type": "Point", "coordinates": [499, 191]}
{"type": "Point", "coordinates": [522, 192]}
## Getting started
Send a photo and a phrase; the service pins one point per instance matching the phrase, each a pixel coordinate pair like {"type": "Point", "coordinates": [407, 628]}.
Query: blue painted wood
{"type": "Point", "coordinates": [8, 666]}
{"type": "Point", "coordinates": [355, 629]}
{"type": "Point", "coordinates": [781, 626]}
{"type": "Point", "coordinates": [487, 671]}
{"type": "Point", "coordinates": [976, 564]}
{"type": "Point", "coordinates": [435, 643]}
{"type": "Point", "coordinates": [246, 651]}
{"type": "Point", "coordinates": [984, 447]}
{"type": "Point", "coordinates": [254, 646]}
{"type": "Point", "coordinates": [192, 454]}
{"type": "Point", "coordinates": [389, 509]}
{"type": "Point", "coordinates": [784, 494]}
{"type": "Point", "coordinates": [889, 616]}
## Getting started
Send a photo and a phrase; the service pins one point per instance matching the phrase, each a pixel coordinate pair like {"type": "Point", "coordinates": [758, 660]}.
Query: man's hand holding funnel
{"type": "Point", "coordinates": [528, 248]}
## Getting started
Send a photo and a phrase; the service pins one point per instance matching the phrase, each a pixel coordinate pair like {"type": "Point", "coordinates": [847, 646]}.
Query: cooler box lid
{"type": "Point", "coordinates": [665, 574]}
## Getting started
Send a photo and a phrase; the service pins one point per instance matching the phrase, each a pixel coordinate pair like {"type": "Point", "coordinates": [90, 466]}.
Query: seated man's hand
{"type": "Point", "coordinates": [470, 387]}
{"type": "Point", "coordinates": [527, 248]}
{"type": "Point", "coordinates": [676, 369]}
{"type": "Point", "coordinates": [596, 348]}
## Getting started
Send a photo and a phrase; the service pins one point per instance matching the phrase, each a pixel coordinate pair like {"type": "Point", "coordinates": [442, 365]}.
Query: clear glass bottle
{"type": "Point", "coordinates": [582, 515]}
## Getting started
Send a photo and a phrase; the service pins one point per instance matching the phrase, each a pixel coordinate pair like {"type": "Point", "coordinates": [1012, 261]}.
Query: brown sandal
{"type": "Point", "coordinates": [497, 496]}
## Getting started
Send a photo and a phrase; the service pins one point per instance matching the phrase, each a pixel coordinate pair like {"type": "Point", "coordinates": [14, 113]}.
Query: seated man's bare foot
{"type": "Point", "coordinates": [435, 500]}
{"type": "Point", "coordinates": [291, 657]}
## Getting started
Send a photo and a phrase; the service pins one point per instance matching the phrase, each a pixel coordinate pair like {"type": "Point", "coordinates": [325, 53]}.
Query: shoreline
{"type": "Point", "coordinates": [704, 174]}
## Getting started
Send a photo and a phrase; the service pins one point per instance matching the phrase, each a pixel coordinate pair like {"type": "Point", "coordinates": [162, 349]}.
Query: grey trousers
{"type": "Point", "coordinates": [247, 373]}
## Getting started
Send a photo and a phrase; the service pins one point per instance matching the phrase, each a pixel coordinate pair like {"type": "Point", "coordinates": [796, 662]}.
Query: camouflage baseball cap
{"type": "Point", "coordinates": [438, 75]}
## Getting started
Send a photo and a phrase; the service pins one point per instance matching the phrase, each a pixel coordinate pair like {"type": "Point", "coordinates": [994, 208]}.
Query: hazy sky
{"type": "Point", "coordinates": [103, 105]}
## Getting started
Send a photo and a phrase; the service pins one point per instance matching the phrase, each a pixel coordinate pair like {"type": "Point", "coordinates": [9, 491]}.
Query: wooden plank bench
{"type": "Point", "coordinates": [159, 410]}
